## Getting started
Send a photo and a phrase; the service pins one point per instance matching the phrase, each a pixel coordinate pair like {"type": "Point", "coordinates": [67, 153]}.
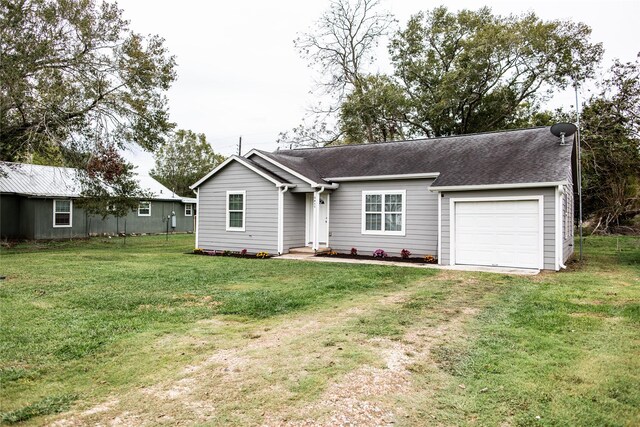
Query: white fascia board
{"type": "Point", "coordinates": [497, 186]}
{"type": "Point", "coordinates": [384, 177]}
{"type": "Point", "coordinates": [243, 163]}
{"type": "Point", "coordinates": [283, 167]}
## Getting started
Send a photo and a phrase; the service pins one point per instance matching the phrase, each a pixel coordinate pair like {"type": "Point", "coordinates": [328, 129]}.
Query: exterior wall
{"type": "Point", "coordinates": [32, 218]}
{"type": "Point", "coordinates": [276, 170]}
{"type": "Point", "coordinates": [548, 210]}
{"type": "Point", "coordinates": [9, 216]}
{"type": "Point", "coordinates": [421, 222]}
{"type": "Point", "coordinates": [261, 212]}
{"type": "Point", "coordinates": [132, 223]}
{"type": "Point", "coordinates": [294, 220]}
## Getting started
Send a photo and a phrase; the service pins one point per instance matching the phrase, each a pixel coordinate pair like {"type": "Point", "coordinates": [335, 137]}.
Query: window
{"type": "Point", "coordinates": [235, 210]}
{"type": "Point", "coordinates": [144, 209]}
{"type": "Point", "coordinates": [62, 213]}
{"type": "Point", "coordinates": [383, 212]}
{"type": "Point", "coordinates": [188, 209]}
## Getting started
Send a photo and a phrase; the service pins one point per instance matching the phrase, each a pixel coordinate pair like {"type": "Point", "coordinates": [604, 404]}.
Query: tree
{"type": "Point", "coordinates": [611, 149]}
{"type": "Point", "coordinates": [74, 79]}
{"type": "Point", "coordinates": [184, 159]}
{"type": "Point", "coordinates": [108, 185]}
{"type": "Point", "coordinates": [340, 46]}
{"type": "Point", "coordinates": [375, 112]}
{"type": "Point", "coordinates": [472, 71]}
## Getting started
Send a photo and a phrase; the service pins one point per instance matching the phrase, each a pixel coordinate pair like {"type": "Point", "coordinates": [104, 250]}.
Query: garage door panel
{"type": "Point", "coordinates": [498, 233]}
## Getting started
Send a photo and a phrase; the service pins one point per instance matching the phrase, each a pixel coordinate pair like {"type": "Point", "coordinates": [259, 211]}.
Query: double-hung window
{"type": "Point", "coordinates": [236, 207]}
{"type": "Point", "coordinates": [188, 209]}
{"type": "Point", "coordinates": [144, 209]}
{"type": "Point", "coordinates": [383, 212]}
{"type": "Point", "coordinates": [62, 213]}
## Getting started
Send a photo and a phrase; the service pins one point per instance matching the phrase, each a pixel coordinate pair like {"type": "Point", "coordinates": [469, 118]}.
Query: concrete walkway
{"type": "Point", "coordinates": [501, 270]}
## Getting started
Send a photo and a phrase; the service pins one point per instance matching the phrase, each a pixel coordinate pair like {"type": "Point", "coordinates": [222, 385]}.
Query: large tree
{"type": "Point", "coordinates": [74, 79]}
{"type": "Point", "coordinates": [611, 148]}
{"type": "Point", "coordinates": [340, 46]}
{"type": "Point", "coordinates": [472, 71]}
{"type": "Point", "coordinates": [184, 159]}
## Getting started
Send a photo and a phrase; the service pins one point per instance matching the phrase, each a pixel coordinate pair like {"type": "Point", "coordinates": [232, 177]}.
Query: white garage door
{"type": "Point", "coordinates": [498, 233]}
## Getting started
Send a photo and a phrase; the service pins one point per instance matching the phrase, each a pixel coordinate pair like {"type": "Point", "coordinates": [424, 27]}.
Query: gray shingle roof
{"type": "Point", "coordinates": [506, 157]}
{"type": "Point", "coordinates": [52, 181]}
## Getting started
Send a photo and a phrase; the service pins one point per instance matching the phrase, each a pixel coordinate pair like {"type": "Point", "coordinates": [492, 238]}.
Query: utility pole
{"type": "Point", "coordinates": [579, 168]}
{"type": "Point", "coordinates": [240, 146]}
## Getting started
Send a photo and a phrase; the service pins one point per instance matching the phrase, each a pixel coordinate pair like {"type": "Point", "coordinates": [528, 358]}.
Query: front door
{"type": "Point", "coordinates": [324, 219]}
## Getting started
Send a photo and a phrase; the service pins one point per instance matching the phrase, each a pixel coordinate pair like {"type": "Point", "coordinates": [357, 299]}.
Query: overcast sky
{"type": "Point", "coordinates": [239, 73]}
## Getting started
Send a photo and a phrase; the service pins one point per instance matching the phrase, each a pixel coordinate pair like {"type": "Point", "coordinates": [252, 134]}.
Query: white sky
{"type": "Point", "coordinates": [239, 73]}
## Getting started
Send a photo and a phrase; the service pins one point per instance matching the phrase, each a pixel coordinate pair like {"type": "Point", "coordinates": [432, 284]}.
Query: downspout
{"type": "Point", "coordinates": [281, 192]}
{"type": "Point", "coordinates": [316, 216]}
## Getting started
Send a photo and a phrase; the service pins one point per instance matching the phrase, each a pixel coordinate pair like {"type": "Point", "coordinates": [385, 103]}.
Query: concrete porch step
{"type": "Point", "coordinates": [306, 250]}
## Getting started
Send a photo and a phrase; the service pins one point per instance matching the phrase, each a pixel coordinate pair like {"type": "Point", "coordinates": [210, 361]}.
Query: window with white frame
{"type": "Point", "coordinates": [144, 209]}
{"type": "Point", "coordinates": [188, 209]}
{"type": "Point", "coordinates": [383, 212]}
{"type": "Point", "coordinates": [62, 213]}
{"type": "Point", "coordinates": [236, 205]}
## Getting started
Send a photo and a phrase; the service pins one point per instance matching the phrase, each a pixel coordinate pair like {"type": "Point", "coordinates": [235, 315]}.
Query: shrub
{"type": "Point", "coordinates": [405, 253]}
{"type": "Point", "coordinates": [226, 253]}
{"type": "Point", "coordinates": [430, 259]}
{"type": "Point", "coordinates": [243, 252]}
{"type": "Point", "coordinates": [379, 253]}
{"type": "Point", "coordinates": [354, 252]}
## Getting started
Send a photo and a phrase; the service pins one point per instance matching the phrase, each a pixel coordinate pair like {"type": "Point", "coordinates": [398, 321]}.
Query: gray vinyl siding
{"type": "Point", "coordinates": [294, 220]}
{"type": "Point", "coordinates": [421, 210]}
{"type": "Point", "coordinates": [292, 179]}
{"type": "Point", "coordinates": [548, 210]}
{"type": "Point", "coordinates": [261, 211]}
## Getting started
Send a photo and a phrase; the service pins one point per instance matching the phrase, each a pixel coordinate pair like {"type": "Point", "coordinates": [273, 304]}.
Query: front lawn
{"type": "Point", "coordinates": [100, 331]}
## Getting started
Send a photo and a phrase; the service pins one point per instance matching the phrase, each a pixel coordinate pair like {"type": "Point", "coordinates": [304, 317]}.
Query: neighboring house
{"type": "Point", "coordinates": [39, 202]}
{"type": "Point", "coordinates": [494, 199]}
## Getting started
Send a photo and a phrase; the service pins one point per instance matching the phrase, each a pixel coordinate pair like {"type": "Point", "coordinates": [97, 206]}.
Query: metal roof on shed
{"type": "Point", "coordinates": [53, 181]}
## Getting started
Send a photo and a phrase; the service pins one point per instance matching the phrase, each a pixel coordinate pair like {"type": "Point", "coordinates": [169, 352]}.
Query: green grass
{"type": "Point", "coordinates": [73, 310]}
{"type": "Point", "coordinates": [90, 319]}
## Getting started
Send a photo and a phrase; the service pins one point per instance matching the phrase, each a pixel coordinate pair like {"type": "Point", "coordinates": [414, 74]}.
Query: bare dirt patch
{"type": "Point", "coordinates": [287, 371]}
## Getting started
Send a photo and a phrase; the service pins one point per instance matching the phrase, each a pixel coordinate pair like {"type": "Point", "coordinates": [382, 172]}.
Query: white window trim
{"type": "Point", "coordinates": [144, 201]}
{"type": "Point", "coordinates": [383, 232]}
{"type": "Point", "coordinates": [190, 206]}
{"type": "Point", "coordinates": [55, 202]}
{"type": "Point", "coordinates": [244, 210]}
{"type": "Point", "coordinates": [452, 221]}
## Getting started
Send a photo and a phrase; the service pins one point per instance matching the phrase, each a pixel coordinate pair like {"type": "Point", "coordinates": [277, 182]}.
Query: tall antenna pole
{"type": "Point", "coordinates": [579, 167]}
{"type": "Point", "coordinates": [240, 146]}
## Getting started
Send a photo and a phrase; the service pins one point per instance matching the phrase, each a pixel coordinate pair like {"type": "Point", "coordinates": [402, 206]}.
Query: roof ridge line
{"type": "Point", "coordinates": [410, 140]}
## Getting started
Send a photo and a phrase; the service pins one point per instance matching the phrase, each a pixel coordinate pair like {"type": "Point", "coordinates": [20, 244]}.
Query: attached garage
{"type": "Point", "coordinates": [505, 232]}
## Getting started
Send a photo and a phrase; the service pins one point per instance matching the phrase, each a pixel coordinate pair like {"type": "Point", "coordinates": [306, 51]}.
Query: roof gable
{"type": "Point", "coordinates": [249, 165]}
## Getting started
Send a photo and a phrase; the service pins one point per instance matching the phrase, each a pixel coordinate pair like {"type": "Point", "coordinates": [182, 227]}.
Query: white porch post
{"type": "Point", "coordinates": [316, 218]}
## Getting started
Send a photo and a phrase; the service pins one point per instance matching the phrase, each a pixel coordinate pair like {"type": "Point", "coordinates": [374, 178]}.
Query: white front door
{"type": "Point", "coordinates": [498, 233]}
{"type": "Point", "coordinates": [323, 222]}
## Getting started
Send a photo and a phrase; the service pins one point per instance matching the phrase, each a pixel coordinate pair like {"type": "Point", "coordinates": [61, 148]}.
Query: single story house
{"type": "Point", "coordinates": [37, 202]}
{"type": "Point", "coordinates": [491, 199]}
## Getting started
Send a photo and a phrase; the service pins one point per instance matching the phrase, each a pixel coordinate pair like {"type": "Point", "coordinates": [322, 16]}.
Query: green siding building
{"type": "Point", "coordinates": [37, 202]}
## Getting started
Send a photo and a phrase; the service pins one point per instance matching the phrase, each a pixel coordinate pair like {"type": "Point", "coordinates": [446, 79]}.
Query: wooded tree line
{"type": "Point", "coordinates": [473, 71]}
